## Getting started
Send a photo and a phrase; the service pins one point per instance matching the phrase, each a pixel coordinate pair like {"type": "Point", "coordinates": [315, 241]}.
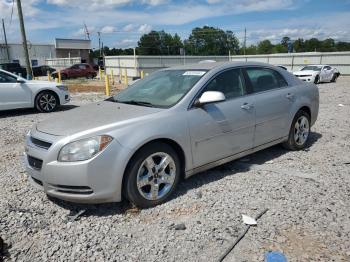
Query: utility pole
{"type": "Point", "coordinates": [99, 42]}
{"type": "Point", "coordinates": [7, 47]}
{"type": "Point", "coordinates": [245, 40]}
{"type": "Point", "coordinates": [24, 39]}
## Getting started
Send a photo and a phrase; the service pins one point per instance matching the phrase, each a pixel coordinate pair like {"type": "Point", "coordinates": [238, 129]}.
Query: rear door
{"type": "Point", "coordinates": [12, 94]}
{"type": "Point", "coordinates": [222, 129]}
{"type": "Point", "coordinates": [273, 100]}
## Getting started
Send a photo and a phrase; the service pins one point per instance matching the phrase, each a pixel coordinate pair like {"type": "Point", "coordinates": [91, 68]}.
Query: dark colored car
{"type": "Point", "coordinates": [14, 68]}
{"type": "Point", "coordinates": [42, 70]}
{"type": "Point", "coordinates": [75, 71]}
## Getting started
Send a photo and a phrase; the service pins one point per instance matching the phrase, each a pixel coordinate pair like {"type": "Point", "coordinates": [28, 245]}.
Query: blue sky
{"type": "Point", "coordinates": [122, 22]}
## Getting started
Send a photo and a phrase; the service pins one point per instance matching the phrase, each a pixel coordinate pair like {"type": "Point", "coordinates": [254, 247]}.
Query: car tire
{"type": "Point", "coordinates": [147, 182]}
{"type": "Point", "coordinates": [299, 132]}
{"type": "Point", "coordinates": [64, 77]}
{"type": "Point", "coordinates": [334, 78]}
{"type": "Point", "coordinates": [317, 80]}
{"type": "Point", "coordinates": [46, 102]}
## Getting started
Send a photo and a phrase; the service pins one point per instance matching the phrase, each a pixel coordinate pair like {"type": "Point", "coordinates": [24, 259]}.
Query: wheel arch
{"type": "Point", "coordinates": [172, 143]}
{"type": "Point", "coordinates": [305, 109]}
{"type": "Point", "coordinates": [46, 90]}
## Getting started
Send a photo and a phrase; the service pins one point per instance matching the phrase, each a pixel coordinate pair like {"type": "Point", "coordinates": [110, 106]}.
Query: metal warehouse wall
{"type": "Point", "coordinates": [135, 64]}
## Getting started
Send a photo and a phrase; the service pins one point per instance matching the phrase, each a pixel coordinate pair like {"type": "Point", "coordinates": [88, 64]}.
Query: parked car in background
{"type": "Point", "coordinates": [42, 70]}
{"type": "Point", "coordinates": [283, 67]}
{"type": "Point", "coordinates": [14, 68]}
{"type": "Point", "coordinates": [318, 73]}
{"type": "Point", "coordinates": [75, 71]}
{"type": "Point", "coordinates": [17, 92]}
{"type": "Point", "coordinates": [171, 124]}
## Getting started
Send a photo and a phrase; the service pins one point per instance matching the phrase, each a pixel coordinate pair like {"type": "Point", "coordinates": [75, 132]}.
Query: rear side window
{"type": "Point", "coordinates": [230, 83]}
{"type": "Point", "coordinates": [264, 79]}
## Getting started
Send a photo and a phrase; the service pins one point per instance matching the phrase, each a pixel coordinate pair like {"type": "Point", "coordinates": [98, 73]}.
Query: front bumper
{"type": "Point", "coordinates": [309, 79]}
{"type": "Point", "coordinates": [64, 97]}
{"type": "Point", "coordinates": [96, 180]}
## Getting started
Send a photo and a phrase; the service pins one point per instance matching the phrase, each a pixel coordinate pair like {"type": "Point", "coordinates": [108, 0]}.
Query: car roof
{"type": "Point", "coordinates": [213, 65]}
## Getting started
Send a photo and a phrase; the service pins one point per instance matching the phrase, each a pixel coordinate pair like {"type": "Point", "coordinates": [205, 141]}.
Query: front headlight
{"type": "Point", "coordinates": [62, 87]}
{"type": "Point", "coordinates": [83, 149]}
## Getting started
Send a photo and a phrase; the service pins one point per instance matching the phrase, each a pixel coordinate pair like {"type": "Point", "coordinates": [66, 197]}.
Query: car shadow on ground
{"type": "Point", "coordinates": [196, 181]}
{"type": "Point", "coordinates": [32, 111]}
{"type": "Point", "coordinates": [4, 250]}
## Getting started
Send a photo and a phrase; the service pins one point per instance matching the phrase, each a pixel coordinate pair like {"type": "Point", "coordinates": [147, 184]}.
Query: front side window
{"type": "Point", "coordinates": [160, 89]}
{"type": "Point", "coordinates": [264, 79]}
{"type": "Point", "coordinates": [5, 78]}
{"type": "Point", "coordinates": [230, 83]}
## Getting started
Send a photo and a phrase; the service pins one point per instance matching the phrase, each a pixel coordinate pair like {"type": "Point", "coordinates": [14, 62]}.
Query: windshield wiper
{"type": "Point", "coordinates": [135, 102]}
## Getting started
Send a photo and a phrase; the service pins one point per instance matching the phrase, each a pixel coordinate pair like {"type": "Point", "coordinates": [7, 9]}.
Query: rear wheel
{"type": "Point", "coordinates": [152, 175]}
{"type": "Point", "coordinates": [299, 131]}
{"type": "Point", "coordinates": [46, 102]}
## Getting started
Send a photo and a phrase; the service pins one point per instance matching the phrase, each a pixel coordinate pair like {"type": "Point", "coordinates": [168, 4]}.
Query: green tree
{"type": "Point", "coordinates": [265, 47]}
{"type": "Point", "coordinates": [299, 45]}
{"type": "Point", "coordinates": [159, 43]}
{"type": "Point", "coordinates": [285, 40]}
{"type": "Point", "coordinates": [211, 41]}
{"type": "Point", "coordinates": [312, 45]}
{"type": "Point", "coordinates": [279, 48]}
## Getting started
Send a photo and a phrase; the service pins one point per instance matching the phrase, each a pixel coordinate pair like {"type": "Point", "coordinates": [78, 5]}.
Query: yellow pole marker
{"type": "Point", "coordinates": [126, 77]}
{"type": "Point", "coordinates": [59, 76]}
{"type": "Point", "coordinates": [142, 74]}
{"type": "Point", "coordinates": [100, 72]}
{"type": "Point", "coordinates": [56, 80]}
{"type": "Point", "coordinates": [107, 85]}
{"type": "Point", "coordinates": [112, 77]}
{"type": "Point", "coordinates": [48, 76]}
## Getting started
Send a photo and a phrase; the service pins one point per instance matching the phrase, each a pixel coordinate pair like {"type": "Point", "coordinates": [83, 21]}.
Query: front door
{"type": "Point", "coordinates": [222, 129]}
{"type": "Point", "coordinates": [12, 94]}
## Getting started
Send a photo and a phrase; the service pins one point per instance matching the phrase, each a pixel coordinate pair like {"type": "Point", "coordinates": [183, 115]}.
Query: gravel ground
{"type": "Point", "coordinates": [307, 194]}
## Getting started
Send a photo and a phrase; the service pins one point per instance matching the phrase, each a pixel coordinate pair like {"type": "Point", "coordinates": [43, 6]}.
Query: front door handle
{"type": "Point", "coordinates": [247, 106]}
{"type": "Point", "coordinates": [290, 96]}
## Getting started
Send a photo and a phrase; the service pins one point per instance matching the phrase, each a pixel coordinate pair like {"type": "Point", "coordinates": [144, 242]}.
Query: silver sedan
{"type": "Point", "coordinates": [172, 124]}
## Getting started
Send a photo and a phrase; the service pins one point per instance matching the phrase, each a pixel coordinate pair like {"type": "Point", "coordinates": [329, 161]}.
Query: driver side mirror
{"type": "Point", "coordinates": [20, 81]}
{"type": "Point", "coordinates": [210, 97]}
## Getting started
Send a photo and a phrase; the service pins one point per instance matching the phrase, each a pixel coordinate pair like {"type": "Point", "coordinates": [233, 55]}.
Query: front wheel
{"type": "Point", "coordinates": [334, 78]}
{"type": "Point", "coordinates": [46, 102]}
{"type": "Point", "coordinates": [317, 80]}
{"type": "Point", "coordinates": [299, 131]}
{"type": "Point", "coordinates": [152, 175]}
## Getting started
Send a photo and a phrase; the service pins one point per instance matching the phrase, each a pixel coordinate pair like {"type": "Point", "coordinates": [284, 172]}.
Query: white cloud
{"type": "Point", "coordinates": [126, 43]}
{"type": "Point", "coordinates": [129, 28]}
{"type": "Point", "coordinates": [108, 29]}
{"type": "Point", "coordinates": [145, 28]}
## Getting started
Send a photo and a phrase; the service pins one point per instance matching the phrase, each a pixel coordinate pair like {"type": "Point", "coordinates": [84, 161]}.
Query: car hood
{"type": "Point", "coordinates": [96, 115]}
{"type": "Point", "coordinates": [305, 72]}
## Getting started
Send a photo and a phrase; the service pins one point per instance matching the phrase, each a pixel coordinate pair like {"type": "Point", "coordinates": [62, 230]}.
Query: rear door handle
{"type": "Point", "coordinates": [247, 106]}
{"type": "Point", "coordinates": [290, 96]}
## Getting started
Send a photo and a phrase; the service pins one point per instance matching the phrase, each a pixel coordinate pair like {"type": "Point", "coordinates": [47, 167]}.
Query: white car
{"type": "Point", "coordinates": [318, 73]}
{"type": "Point", "coordinates": [17, 92]}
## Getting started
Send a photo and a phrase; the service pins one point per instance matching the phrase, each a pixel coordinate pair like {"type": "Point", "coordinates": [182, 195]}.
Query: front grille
{"type": "Point", "coordinates": [40, 183]}
{"type": "Point", "coordinates": [40, 143]}
{"type": "Point", "coordinates": [303, 75]}
{"type": "Point", "coordinates": [35, 162]}
{"type": "Point", "coordinates": [81, 190]}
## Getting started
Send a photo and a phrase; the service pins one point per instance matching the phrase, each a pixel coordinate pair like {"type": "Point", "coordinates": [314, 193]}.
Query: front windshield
{"type": "Point", "coordinates": [160, 89]}
{"type": "Point", "coordinates": [311, 68]}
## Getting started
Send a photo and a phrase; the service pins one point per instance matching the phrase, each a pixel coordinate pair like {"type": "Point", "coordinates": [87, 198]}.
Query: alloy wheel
{"type": "Point", "coordinates": [47, 102]}
{"type": "Point", "coordinates": [156, 176]}
{"type": "Point", "coordinates": [301, 130]}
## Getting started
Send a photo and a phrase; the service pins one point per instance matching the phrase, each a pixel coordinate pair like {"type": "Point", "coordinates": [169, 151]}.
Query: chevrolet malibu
{"type": "Point", "coordinates": [174, 123]}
